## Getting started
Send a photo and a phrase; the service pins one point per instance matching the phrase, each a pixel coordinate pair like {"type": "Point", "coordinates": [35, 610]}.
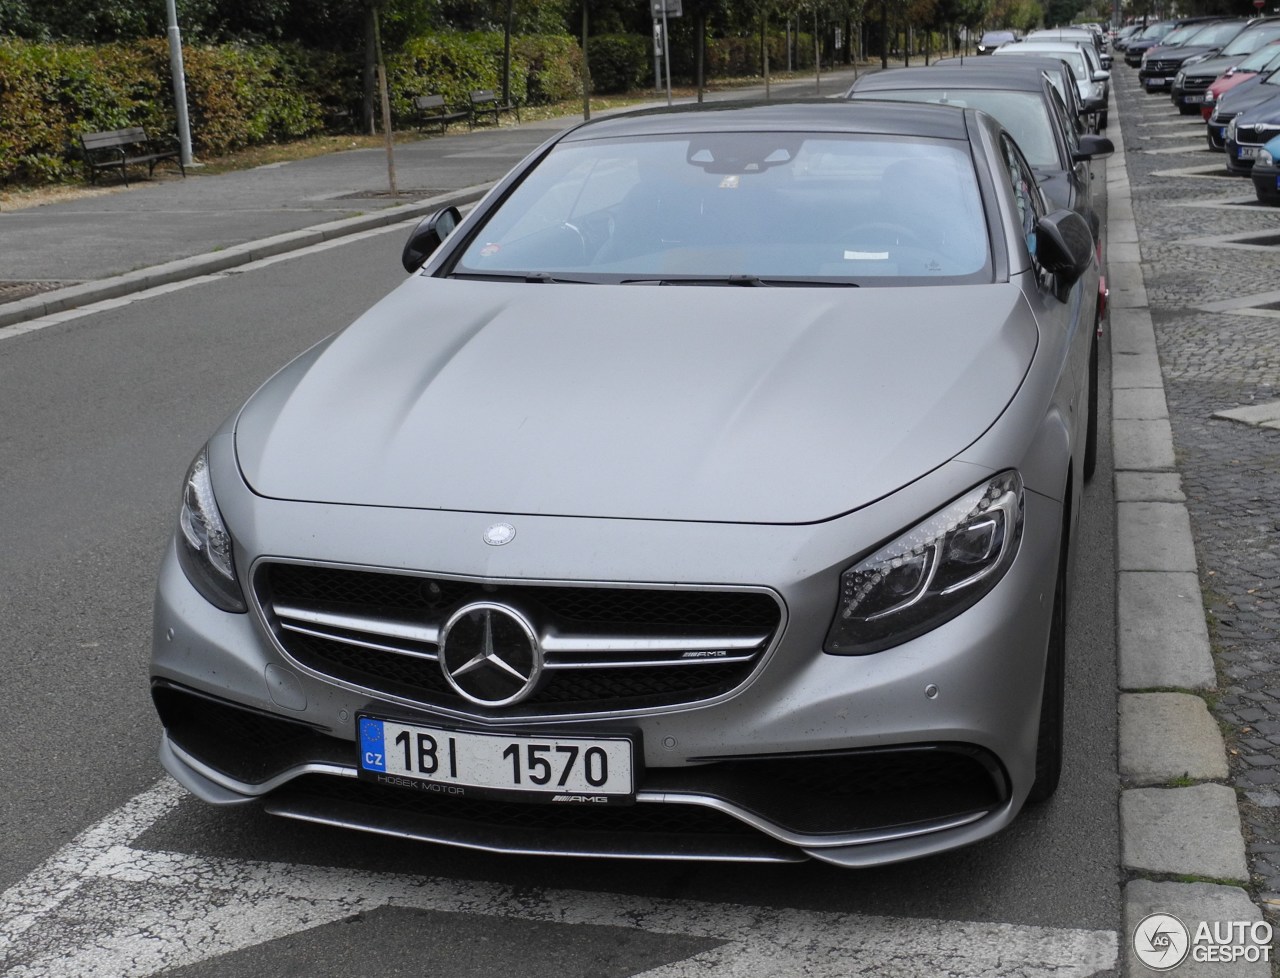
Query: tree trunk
{"type": "Point", "coordinates": [367, 124]}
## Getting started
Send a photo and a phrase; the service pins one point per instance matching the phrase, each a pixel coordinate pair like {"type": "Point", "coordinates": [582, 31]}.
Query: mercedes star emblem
{"type": "Point", "coordinates": [499, 534]}
{"type": "Point", "coordinates": [490, 654]}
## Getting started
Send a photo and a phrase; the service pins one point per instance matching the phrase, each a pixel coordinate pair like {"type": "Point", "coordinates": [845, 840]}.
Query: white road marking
{"type": "Point", "coordinates": [100, 907]}
{"type": "Point", "coordinates": [53, 319]}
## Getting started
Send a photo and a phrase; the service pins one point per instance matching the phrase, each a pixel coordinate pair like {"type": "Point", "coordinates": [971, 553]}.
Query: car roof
{"type": "Point", "coordinates": [807, 115]}
{"type": "Point", "coordinates": [970, 75]}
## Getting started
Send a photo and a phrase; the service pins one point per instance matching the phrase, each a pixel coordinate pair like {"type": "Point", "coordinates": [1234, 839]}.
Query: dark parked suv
{"type": "Point", "coordinates": [1199, 42]}
{"type": "Point", "coordinates": [1155, 35]}
{"type": "Point", "coordinates": [1190, 84]}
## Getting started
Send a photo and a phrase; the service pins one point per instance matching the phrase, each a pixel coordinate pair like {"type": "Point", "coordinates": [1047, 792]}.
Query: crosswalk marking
{"type": "Point", "coordinates": [100, 906]}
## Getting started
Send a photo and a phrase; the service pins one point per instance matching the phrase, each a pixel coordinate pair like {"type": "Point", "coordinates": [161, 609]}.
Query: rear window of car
{"type": "Point", "coordinates": [994, 38]}
{"type": "Point", "coordinates": [788, 208]}
{"type": "Point", "coordinates": [1073, 56]}
{"type": "Point", "coordinates": [1024, 114]}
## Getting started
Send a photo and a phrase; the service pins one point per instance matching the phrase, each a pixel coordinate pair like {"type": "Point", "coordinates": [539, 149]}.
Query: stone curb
{"type": "Point", "coordinates": [1190, 903]}
{"type": "Point", "coordinates": [1163, 643]}
{"type": "Point", "coordinates": [118, 286]}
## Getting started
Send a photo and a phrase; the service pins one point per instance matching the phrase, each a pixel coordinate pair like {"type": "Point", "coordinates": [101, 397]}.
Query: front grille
{"type": "Point", "coordinates": [1164, 67]}
{"type": "Point", "coordinates": [604, 648]}
{"type": "Point", "coordinates": [1255, 134]}
{"type": "Point", "coordinates": [1196, 83]}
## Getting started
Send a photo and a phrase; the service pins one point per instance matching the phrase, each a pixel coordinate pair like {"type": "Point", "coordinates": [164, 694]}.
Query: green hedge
{"type": "Point", "coordinates": [544, 69]}
{"type": "Point", "coordinates": [238, 95]}
{"type": "Point", "coordinates": [51, 93]}
{"type": "Point", "coordinates": [620, 62]}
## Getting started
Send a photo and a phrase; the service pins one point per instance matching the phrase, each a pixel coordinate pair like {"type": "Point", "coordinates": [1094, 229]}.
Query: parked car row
{"type": "Point", "coordinates": [1228, 71]}
{"type": "Point", "coordinates": [710, 491]}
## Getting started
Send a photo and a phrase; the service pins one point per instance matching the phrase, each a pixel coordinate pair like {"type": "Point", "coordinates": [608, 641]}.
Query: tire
{"type": "Point", "coordinates": [1091, 425]}
{"type": "Point", "coordinates": [1102, 121]}
{"type": "Point", "coordinates": [1050, 738]}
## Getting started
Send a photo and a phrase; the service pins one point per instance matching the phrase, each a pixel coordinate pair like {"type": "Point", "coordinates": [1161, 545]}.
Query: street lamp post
{"type": "Point", "coordinates": [179, 83]}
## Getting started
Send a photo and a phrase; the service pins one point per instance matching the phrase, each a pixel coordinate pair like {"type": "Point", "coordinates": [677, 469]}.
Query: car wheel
{"type": "Point", "coordinates": [1102, 121]}
{"type": "Point", "coordinates": [1091, 426]}
{"type": "Point", "coordinates": [1050, 738]}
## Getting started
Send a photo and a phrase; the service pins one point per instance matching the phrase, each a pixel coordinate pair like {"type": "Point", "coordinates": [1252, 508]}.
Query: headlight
{"type": "Point", "coordinates": [1196, 60]}
{"type": "Point", "coordinates": [204, 545]}
{"type": "Point", "coordinates": [1096, 90]}
{"type": "Point", "coordinates": [1209, 96]}
{"type": "Point", "coordinates": [1231, 130]}
{"type": "Point", "coordinates": [930, 573]}
{"type": "Point", "coordinates": [1265, 158]}
{"type": "Point", "coordinates": [1177, 79]}
{"type": "Point", "coordinates": [1144, 61]}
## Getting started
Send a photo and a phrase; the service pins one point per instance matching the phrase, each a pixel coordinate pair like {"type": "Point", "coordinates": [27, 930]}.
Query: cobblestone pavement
{"type": "Point", "coordinates": [1216, 361]}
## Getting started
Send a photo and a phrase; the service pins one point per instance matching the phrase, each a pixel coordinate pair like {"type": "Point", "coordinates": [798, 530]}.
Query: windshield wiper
{"type": "Point", "coordinates": [750, 281]}
{"type": "Point", "coordinates": [534, 278]}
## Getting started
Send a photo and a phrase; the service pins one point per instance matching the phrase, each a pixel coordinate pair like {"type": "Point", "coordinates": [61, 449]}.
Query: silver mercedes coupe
{"type": "Point", "coordinates": [708, 492]}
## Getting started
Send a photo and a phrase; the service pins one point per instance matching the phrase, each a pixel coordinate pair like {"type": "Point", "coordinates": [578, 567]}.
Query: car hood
{"type": "Point", "coordinates": [1263, 111]}
{"type": "Point", "coordinates": [725, 404]}
{"type": "Point", "coordinates": [1247, 94]}
{"type": "Point", "coordinates": [1183, 52]}
{"type": "Point", "coordinates": [1213, 67]}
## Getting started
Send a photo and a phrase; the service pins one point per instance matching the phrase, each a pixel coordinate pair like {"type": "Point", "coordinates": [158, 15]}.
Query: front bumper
{"type": "Point", "coordinates": [1266, 181]}
{"type": "Point", "coordinates": [844, 759]}
{"type": "Point", "coordinates": [1237, 163]}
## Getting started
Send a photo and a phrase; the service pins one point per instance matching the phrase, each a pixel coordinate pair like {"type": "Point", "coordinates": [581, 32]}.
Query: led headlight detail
{"type": "Point", "coordinates": [930, 573]}
{"type": "Point", "coordinates": [204, 545]}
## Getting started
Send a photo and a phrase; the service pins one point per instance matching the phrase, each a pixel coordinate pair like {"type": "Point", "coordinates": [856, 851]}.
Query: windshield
{"type": "Point", "coordinates": [1214, 35]}
{"type": "Point", "coordinates": [1024, 114]}
{"type": "Point", "coordinates": [1182, 33]}
{"type": "Point", "coordinates": [1251, 40]}
{"type": "Point", "coordinates": [745, 208]}
{"type": "Point", "coordinates": [1261, 58]}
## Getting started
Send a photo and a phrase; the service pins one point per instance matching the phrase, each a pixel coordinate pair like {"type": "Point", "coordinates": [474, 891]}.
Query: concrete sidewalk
{"type": "Point", "coordinates": [168, 229]}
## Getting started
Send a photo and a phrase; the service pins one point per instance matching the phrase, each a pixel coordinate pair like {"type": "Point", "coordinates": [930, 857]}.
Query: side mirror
{"type": "Point", "coordinates": [427, 237]}
{"type": "Point", "coordinates": [1093, 148]}
{"type": "Point", "coordinates": [1064, 245]}
{"type": "Point", "coordinates": [1102, 76]}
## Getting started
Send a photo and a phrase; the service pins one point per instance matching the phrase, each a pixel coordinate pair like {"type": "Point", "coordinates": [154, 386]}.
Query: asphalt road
{"type": "Point", "coordinates": [100, 417]}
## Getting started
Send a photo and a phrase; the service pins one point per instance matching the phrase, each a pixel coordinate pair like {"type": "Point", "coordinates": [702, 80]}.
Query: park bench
{"type": "Point", "coordinates": [118, 149]}
{"type": "Point", "coordinates": [432, 111]}
{"type": "Point", "coordinates": [485, 103]}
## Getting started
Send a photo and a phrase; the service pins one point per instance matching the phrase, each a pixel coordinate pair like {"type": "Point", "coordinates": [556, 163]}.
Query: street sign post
{"type": "Point", "coordinates": [662, 9]}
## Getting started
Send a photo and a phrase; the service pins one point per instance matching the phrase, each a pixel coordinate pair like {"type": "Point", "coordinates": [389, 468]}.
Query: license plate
{"type": "Point", "coordinates": [513, 766]}
{"type": "Point", "coordinates": [1247, 152]}
{"type": "Point", "coordinates": [1157, 82]}
{"type": "Point", "coordinates": [1192, 99]}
